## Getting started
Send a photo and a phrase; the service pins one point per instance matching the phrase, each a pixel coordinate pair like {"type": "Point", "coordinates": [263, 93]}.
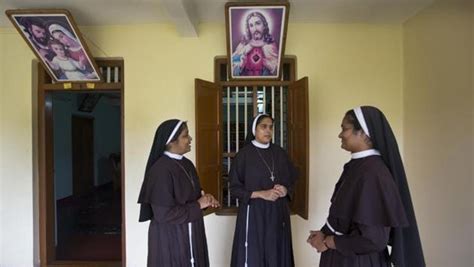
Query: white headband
{"type": "Point", "coordinates": [360, 118]}
{"type": "Point", "coordinates": [174, 131]}
{"type": "Point", "coordinates": [254, 124]}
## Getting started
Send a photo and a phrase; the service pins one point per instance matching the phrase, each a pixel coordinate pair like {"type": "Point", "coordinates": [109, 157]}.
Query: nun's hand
{"type": "Point", "coordinates": [270, 194]}
{"type": "Point", "coordinates": [204, 201]}
{"type": "Point", "coordinates": [329, 242]}
{"type": "Point", "coordinates": [316, 240]}
{"type": "Point", "coordinates": [208, 200]}
{"type": "Point", "coordinates": [311, 235]}
{"type": "Point", "coordinates": [214, 203]}
{"type": "Point", "coordinates": [281, 189]}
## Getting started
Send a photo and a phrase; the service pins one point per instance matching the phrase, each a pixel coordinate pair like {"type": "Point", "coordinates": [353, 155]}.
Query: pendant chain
{"type": "Point", "coordinates": [272, 177]}
{"type": "Point", "coordinates": [186, 172]}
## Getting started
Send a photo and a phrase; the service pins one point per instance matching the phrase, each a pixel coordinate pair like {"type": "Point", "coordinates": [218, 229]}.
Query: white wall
{"type": "Point", "coordinates": [438, 129]}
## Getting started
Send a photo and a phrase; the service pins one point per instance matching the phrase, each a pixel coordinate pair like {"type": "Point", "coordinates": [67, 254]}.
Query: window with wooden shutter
{"type": "Point", "coordinates": [298, 132]}
{"type": "Point", "coordinates": [224, 109]}
{"type": "Point", "coordinates": [208, 136]}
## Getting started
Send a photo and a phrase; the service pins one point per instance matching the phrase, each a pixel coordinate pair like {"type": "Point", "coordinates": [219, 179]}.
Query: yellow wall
{"type": "Point", "coordinates": [472, 124]}
{"type": "Point", "coordinates": [16, 185]}
{"type": "Point", "coordinates": [419, 73]}
{"type": "Point", "coordinates": [347, 65]}
{"type": "Point", "coordinates": [438, 128]}
{"type": "Point", "coordinates": [1, 143]}
{"type": "Point", "coordinates": [472, 110]}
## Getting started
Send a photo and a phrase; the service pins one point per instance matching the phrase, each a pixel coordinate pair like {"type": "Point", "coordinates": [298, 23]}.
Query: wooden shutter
{"type": "Point", "coordinates": [208, 102]}
{"type": "Point", "coordinates": [298, 143]}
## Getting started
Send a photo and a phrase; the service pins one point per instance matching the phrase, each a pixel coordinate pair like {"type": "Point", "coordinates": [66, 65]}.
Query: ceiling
{"type": "Point", "coordinates": [186, 14]}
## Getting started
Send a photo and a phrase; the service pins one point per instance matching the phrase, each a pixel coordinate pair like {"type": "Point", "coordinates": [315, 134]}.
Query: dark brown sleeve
{"type": "Point", "coordinates": [363, 239]}
{"type": "Point", "coordinates": [237, 180]}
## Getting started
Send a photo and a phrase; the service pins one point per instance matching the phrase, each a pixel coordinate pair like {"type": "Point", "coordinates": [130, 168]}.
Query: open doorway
{"type": "Point", "coordinates": [81, 170]}
{"type": "Point", "coordinates": [87, 149]}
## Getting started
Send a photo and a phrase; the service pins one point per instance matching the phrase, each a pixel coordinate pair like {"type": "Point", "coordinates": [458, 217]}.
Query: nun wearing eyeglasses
{"type": "Point", "coordinates": [371, 207]}
{"type": "Point", "coordinates": [172, 199]}
{"type": "Point", "coordinates": [262, 178]}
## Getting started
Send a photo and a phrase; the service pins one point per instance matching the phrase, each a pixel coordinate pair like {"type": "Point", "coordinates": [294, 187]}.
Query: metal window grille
{"type": "Point", "coordinates": [239, 106]}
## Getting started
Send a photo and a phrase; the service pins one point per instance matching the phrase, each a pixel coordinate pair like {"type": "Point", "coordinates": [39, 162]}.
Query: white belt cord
{"type": "Point", "coordinates": [332, 229]}
{"type": "Point", "coordinates": [247, 235]}
{"type": "Point", "coordinates": [190, 230]}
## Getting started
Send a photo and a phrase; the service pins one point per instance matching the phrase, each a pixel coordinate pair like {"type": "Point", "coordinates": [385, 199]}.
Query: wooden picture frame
{"type": "Point", "coordinates": [55, 39]}
{"type": "Point", "coordinates": [256, 37]}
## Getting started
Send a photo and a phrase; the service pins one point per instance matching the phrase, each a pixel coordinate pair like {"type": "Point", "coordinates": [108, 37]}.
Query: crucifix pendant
{"type": "Point", "coordinates": [272, 177]}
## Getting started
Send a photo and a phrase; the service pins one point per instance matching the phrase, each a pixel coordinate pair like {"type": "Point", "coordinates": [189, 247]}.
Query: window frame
{"type": "Point", "coordinates": [220, 81]}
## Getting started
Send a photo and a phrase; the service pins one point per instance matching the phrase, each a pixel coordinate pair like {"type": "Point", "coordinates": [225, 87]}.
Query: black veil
{"type": "Point", "coordinates": [405, 241]}
{"type": "Point", "coordinates": [157, 149]}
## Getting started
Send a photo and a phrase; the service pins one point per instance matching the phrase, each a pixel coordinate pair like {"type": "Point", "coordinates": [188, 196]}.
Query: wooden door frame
{"type": "Point", "coordinates": [46, 159]}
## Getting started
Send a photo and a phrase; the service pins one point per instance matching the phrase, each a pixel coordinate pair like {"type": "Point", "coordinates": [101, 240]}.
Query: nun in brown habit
{"type": "Point", "coordinates": [371, 207]}
{"type": "Point", "coordinates": [171, 197]}
{"type": "Point", "coordinates": [262, 178]}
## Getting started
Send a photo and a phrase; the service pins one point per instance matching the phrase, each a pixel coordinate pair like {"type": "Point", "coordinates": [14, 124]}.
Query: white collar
{"type": "Point", "coordinates": [260, 145]}
{"type": "Point", "coordinates": [173, 155]}
{"type": "Point", "coordinates": [365, 153]}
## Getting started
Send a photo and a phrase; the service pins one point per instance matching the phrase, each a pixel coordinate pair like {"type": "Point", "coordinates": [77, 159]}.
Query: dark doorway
{"type": "Point", "coordinates": [81, 169]}
{"type": "Point", "coordinates": [82, 155]}
{"type": "Point", "coordinates": [86, 163]}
